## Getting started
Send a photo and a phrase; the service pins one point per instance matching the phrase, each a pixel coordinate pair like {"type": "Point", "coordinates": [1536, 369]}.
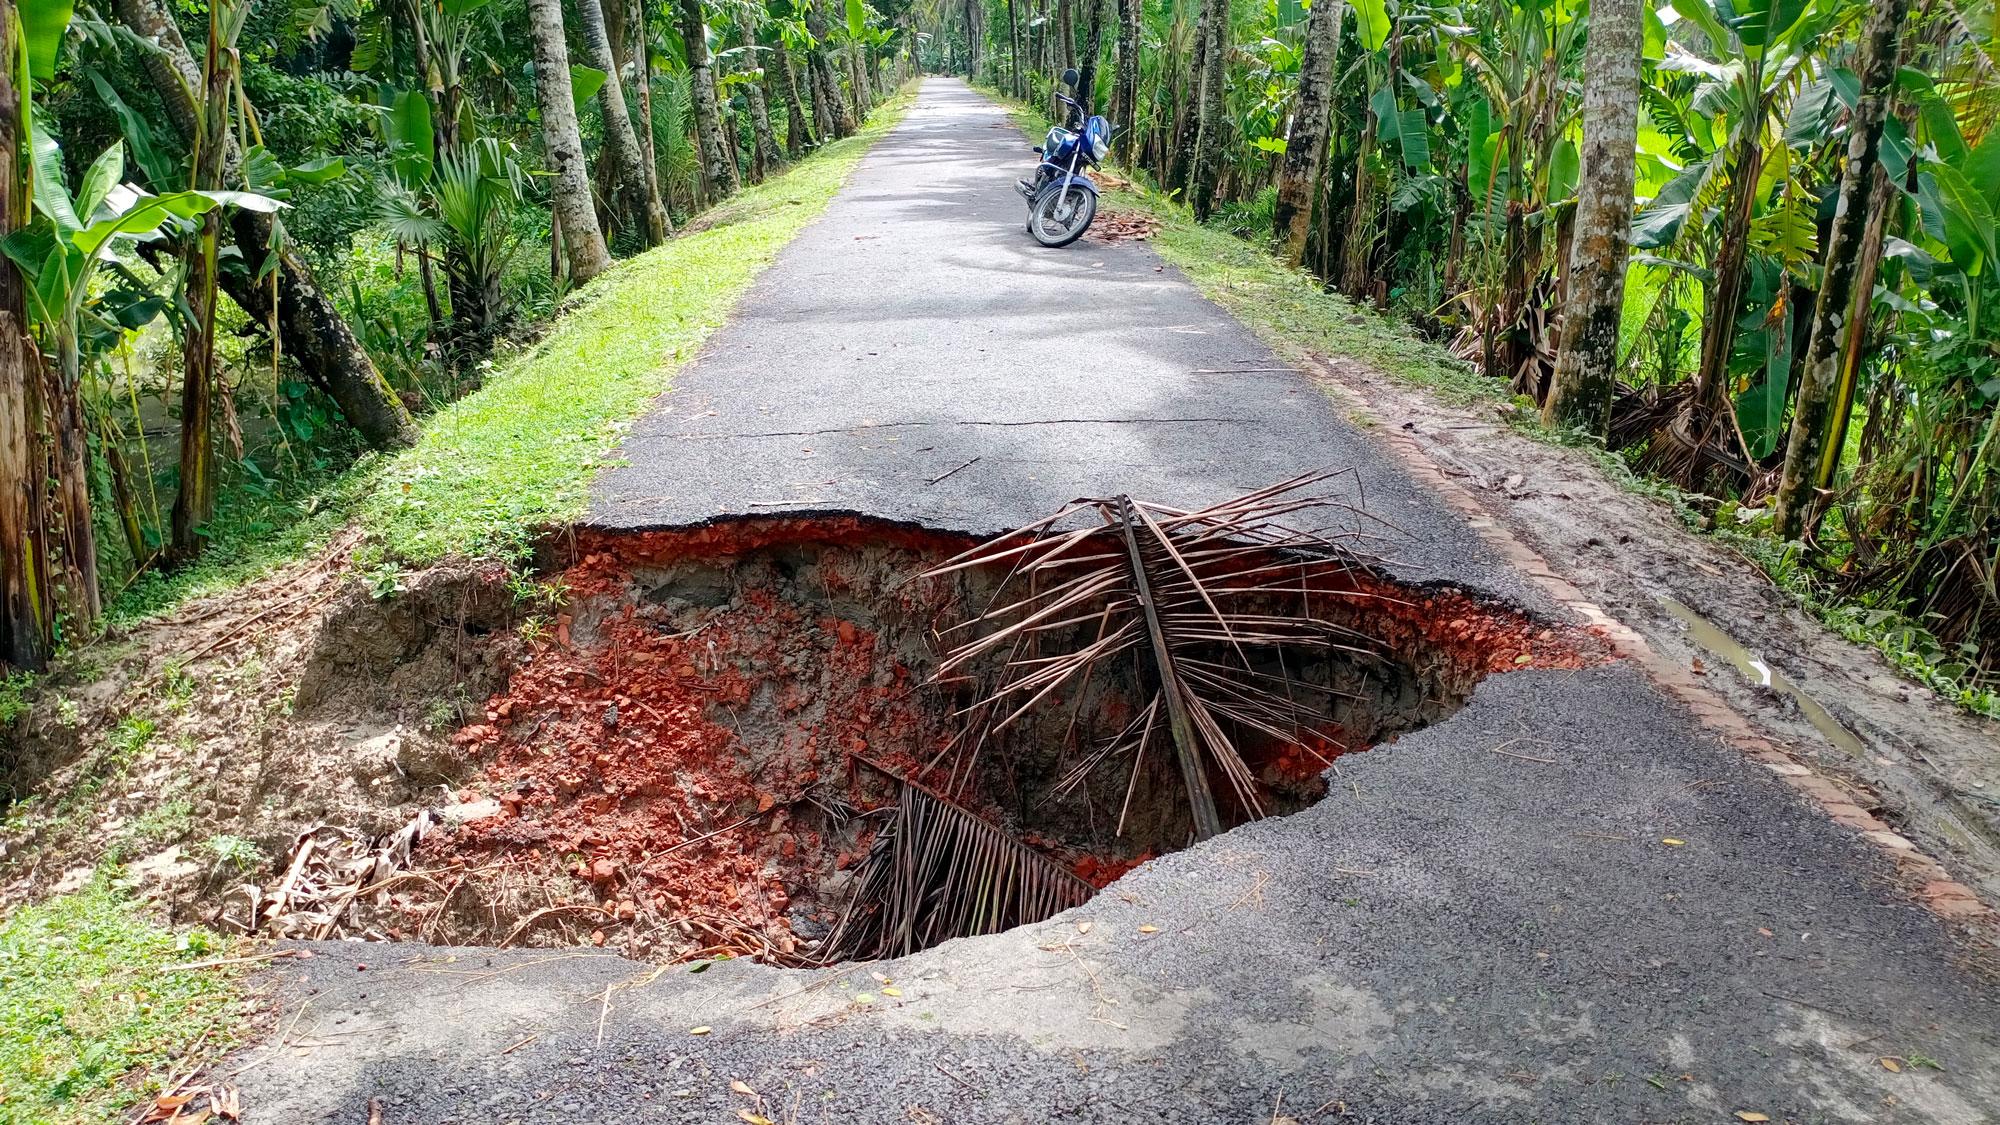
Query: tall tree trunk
{"type": "Point", "coordinates": [194, 501]}
{"type": "Point", "coordinates": [641, 200]}
{"type": "Point", "coordinates": [764, 158]}
{"type": "Point", "coordinates": [641, 53]}
{"type": "Point", "coordinates": [798, 130]}
{"type": "Point", "coordinates": [1207, 168]}
{"type": "Point", "coordinates": [1065, 36]}
{"type": "Point", "coordinates": [838, 120]}
{"type": "Point", "coordinates": [1125, 81]}
{"type": "Point", "coordinates": [1831, 358]}
{"type": "Point", "coordinates": [857, 83]}
{"type": "Point", "coordinates": [1093, 47]}
{"type": "Point", "coordinates": [1186, 100]}
{"type": "Point", "coordinates": [1725, 293]}
{"type": "Point", "coordinates": [1013, 50]}
{"type": "Point", "coordinates": [1601, 243]}
{"type": "Point", "coordinates": [310, 328]}
{"type": "Point", "coordinates": [975, 50]}
{"type": "Point", "coordinates": [718, 160]}
{"type": "Point", "coordinates": [27, 588]}
{"type": "Point", "coordinates": [582, 238]}
{"type": "Point", "coordinates": [1312, 117]}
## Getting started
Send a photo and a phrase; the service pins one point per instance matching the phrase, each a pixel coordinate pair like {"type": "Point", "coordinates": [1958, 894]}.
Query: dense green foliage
{"type": "Point", "coordinates": [262, 239]}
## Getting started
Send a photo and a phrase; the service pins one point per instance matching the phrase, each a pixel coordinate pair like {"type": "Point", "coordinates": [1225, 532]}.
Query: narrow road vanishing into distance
{"type": "Point", "coordinates": [1452, 935]}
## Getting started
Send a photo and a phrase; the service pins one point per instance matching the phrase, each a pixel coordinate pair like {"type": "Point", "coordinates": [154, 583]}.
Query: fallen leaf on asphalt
{"type": "Point", "coordinates": [753, 1118]}
{"type": "Point", "coordinates": [702, 1030]}
{"type": "Point", "coordinates": [892, 991]}
{"type": "Point", "coordinates": [879, 978]}
{"type": "Point", "coordinates": [1149, 928]}
{"type": "Point", "coordinates": [863, 998]}
{"type": "Point", "coordinates": [1749, 1116]}
{"type": "Point", "coordinates": [1673, 843]}
{"type": "Point", "coordinates": [1083, 927]}
{"type": "Point", "coordinates": [1766, 932]}
{"type": "Point", "coordinates": [1891, 1065]}
{"type": "Point", "coordinates": [742, 1087]}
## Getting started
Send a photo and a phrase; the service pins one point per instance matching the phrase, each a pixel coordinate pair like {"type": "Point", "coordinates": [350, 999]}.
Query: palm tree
{"type": "Point", "coordinates": [1601, 247]}
{"type": "Point", "coordinates": [1206, 167]}
{"type": "Point", "coordinates": [621, 142]}
{"type": "Point", "coordinates": [575, 215]}
{"type": "Point", "coordinates": [1312, 117]}
{"type": "Point", "coordinates": [718, 156]}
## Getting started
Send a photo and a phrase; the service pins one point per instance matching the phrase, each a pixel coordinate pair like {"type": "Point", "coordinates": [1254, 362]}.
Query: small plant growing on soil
{"type": "Point", "coordinates": [235, 852]}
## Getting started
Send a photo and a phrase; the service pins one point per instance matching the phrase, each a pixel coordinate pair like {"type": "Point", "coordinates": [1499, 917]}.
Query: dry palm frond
{"type": "Point", "coordinates": [1214, 605]}
{"type": "Point", "coordinates": [937, 871]}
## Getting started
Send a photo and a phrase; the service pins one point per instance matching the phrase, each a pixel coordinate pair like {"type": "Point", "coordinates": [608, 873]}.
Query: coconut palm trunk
{"type": "Point", "coordinates": [1834, 354]}
{"type": "Point", "coordinates": [836, 120]}
{"type": "Point", "coordinates": [1312, 118]}
{"type": "Point", "coordinates": [764, 156]}
{"type": "Point", "coordinates": [640, 199]}
{"type": "Point", "coordinates": [1093, 47]}
{"type": "Point", "coordinates": [641, 54]}
{"type": "Point", "coordinates": [570, 199]}
{"type": "Point", "coordinates": [798, 123]}
{"type": "Point", "coordinates": [1601, 245]}
{"type": "Point", "coordinates": [310, 329]}
{"type": "Point", "coordinates": [1187, 128]}
{"type": "Point", "coordinates": [718, 161]}
{"type": "Point", "coordinates": [1125, 82]}
{"type": "Point", "coordinates": [1207, 169]}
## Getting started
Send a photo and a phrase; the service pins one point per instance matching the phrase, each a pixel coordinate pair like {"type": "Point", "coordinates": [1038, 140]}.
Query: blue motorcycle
{"type": "Point", "coordinates": [1061, 199]}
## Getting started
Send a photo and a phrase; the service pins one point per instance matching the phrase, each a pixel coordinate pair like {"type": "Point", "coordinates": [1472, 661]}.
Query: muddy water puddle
{"type": "Point", "coordinates": [1711, 637]}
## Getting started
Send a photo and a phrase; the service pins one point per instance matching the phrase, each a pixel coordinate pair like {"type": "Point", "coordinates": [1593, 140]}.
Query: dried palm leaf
{"type": "Point", "coordinates": [938, 871]}
{"type": "Point", "coordinates": [1205, 602]}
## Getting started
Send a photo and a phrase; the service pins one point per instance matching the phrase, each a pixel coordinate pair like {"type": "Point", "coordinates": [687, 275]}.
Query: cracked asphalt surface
{"type": "Point", "coordinates": [1452, 935]}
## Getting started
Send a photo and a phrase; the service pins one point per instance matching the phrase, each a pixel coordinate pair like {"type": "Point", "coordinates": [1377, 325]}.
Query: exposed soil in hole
{"type": "Point", "coordinates": [689, 759]}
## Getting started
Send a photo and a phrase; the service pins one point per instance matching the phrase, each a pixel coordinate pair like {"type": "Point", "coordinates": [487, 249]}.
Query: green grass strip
{"type": "Point", "coordinates": [84, 1003]}
{"type": "Point", "coordinates": [499, 465]}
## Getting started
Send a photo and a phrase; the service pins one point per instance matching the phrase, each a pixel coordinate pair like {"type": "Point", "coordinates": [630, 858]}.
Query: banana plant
{"type": "Point", "coordinates": [1747, 63]}
{"type": "Point", "coordinates": [73, 237]}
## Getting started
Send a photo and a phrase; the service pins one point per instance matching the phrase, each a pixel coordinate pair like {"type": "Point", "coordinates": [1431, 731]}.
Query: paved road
{"type": "Point", "coordinates": [916, 332]}
{"type": "Point", "coordinates": [1451, 936]}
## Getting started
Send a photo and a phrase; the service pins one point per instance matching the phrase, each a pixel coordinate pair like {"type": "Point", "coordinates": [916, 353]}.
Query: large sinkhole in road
{"type": "Point", "coordinates": [697, 754]}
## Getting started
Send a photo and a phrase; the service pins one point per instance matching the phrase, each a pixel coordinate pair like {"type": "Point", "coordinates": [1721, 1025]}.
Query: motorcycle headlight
{"type": "Point", "coordinates": [1099, 148]}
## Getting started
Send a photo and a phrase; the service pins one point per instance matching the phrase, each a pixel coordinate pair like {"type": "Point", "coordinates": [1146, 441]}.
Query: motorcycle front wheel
{"type": "Point", "coordinates": [1061, 214]}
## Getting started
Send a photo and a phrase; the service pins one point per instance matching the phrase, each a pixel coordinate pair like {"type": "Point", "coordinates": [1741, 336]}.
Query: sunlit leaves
{"type": "Point", "coordinates": [1371, 23]}
{"type": "Point", "coordinates": [43, 25]}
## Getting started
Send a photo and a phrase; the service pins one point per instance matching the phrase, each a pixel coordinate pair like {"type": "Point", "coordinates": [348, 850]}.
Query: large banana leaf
{"type": "Point", "coordinates": [43, 25]}
{"type": "Point", "coordinates": [1371, 23]}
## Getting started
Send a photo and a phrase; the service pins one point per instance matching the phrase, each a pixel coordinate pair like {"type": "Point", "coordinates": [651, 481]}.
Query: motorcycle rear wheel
{"type": "Point", "coordinates": [1061, 214]}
